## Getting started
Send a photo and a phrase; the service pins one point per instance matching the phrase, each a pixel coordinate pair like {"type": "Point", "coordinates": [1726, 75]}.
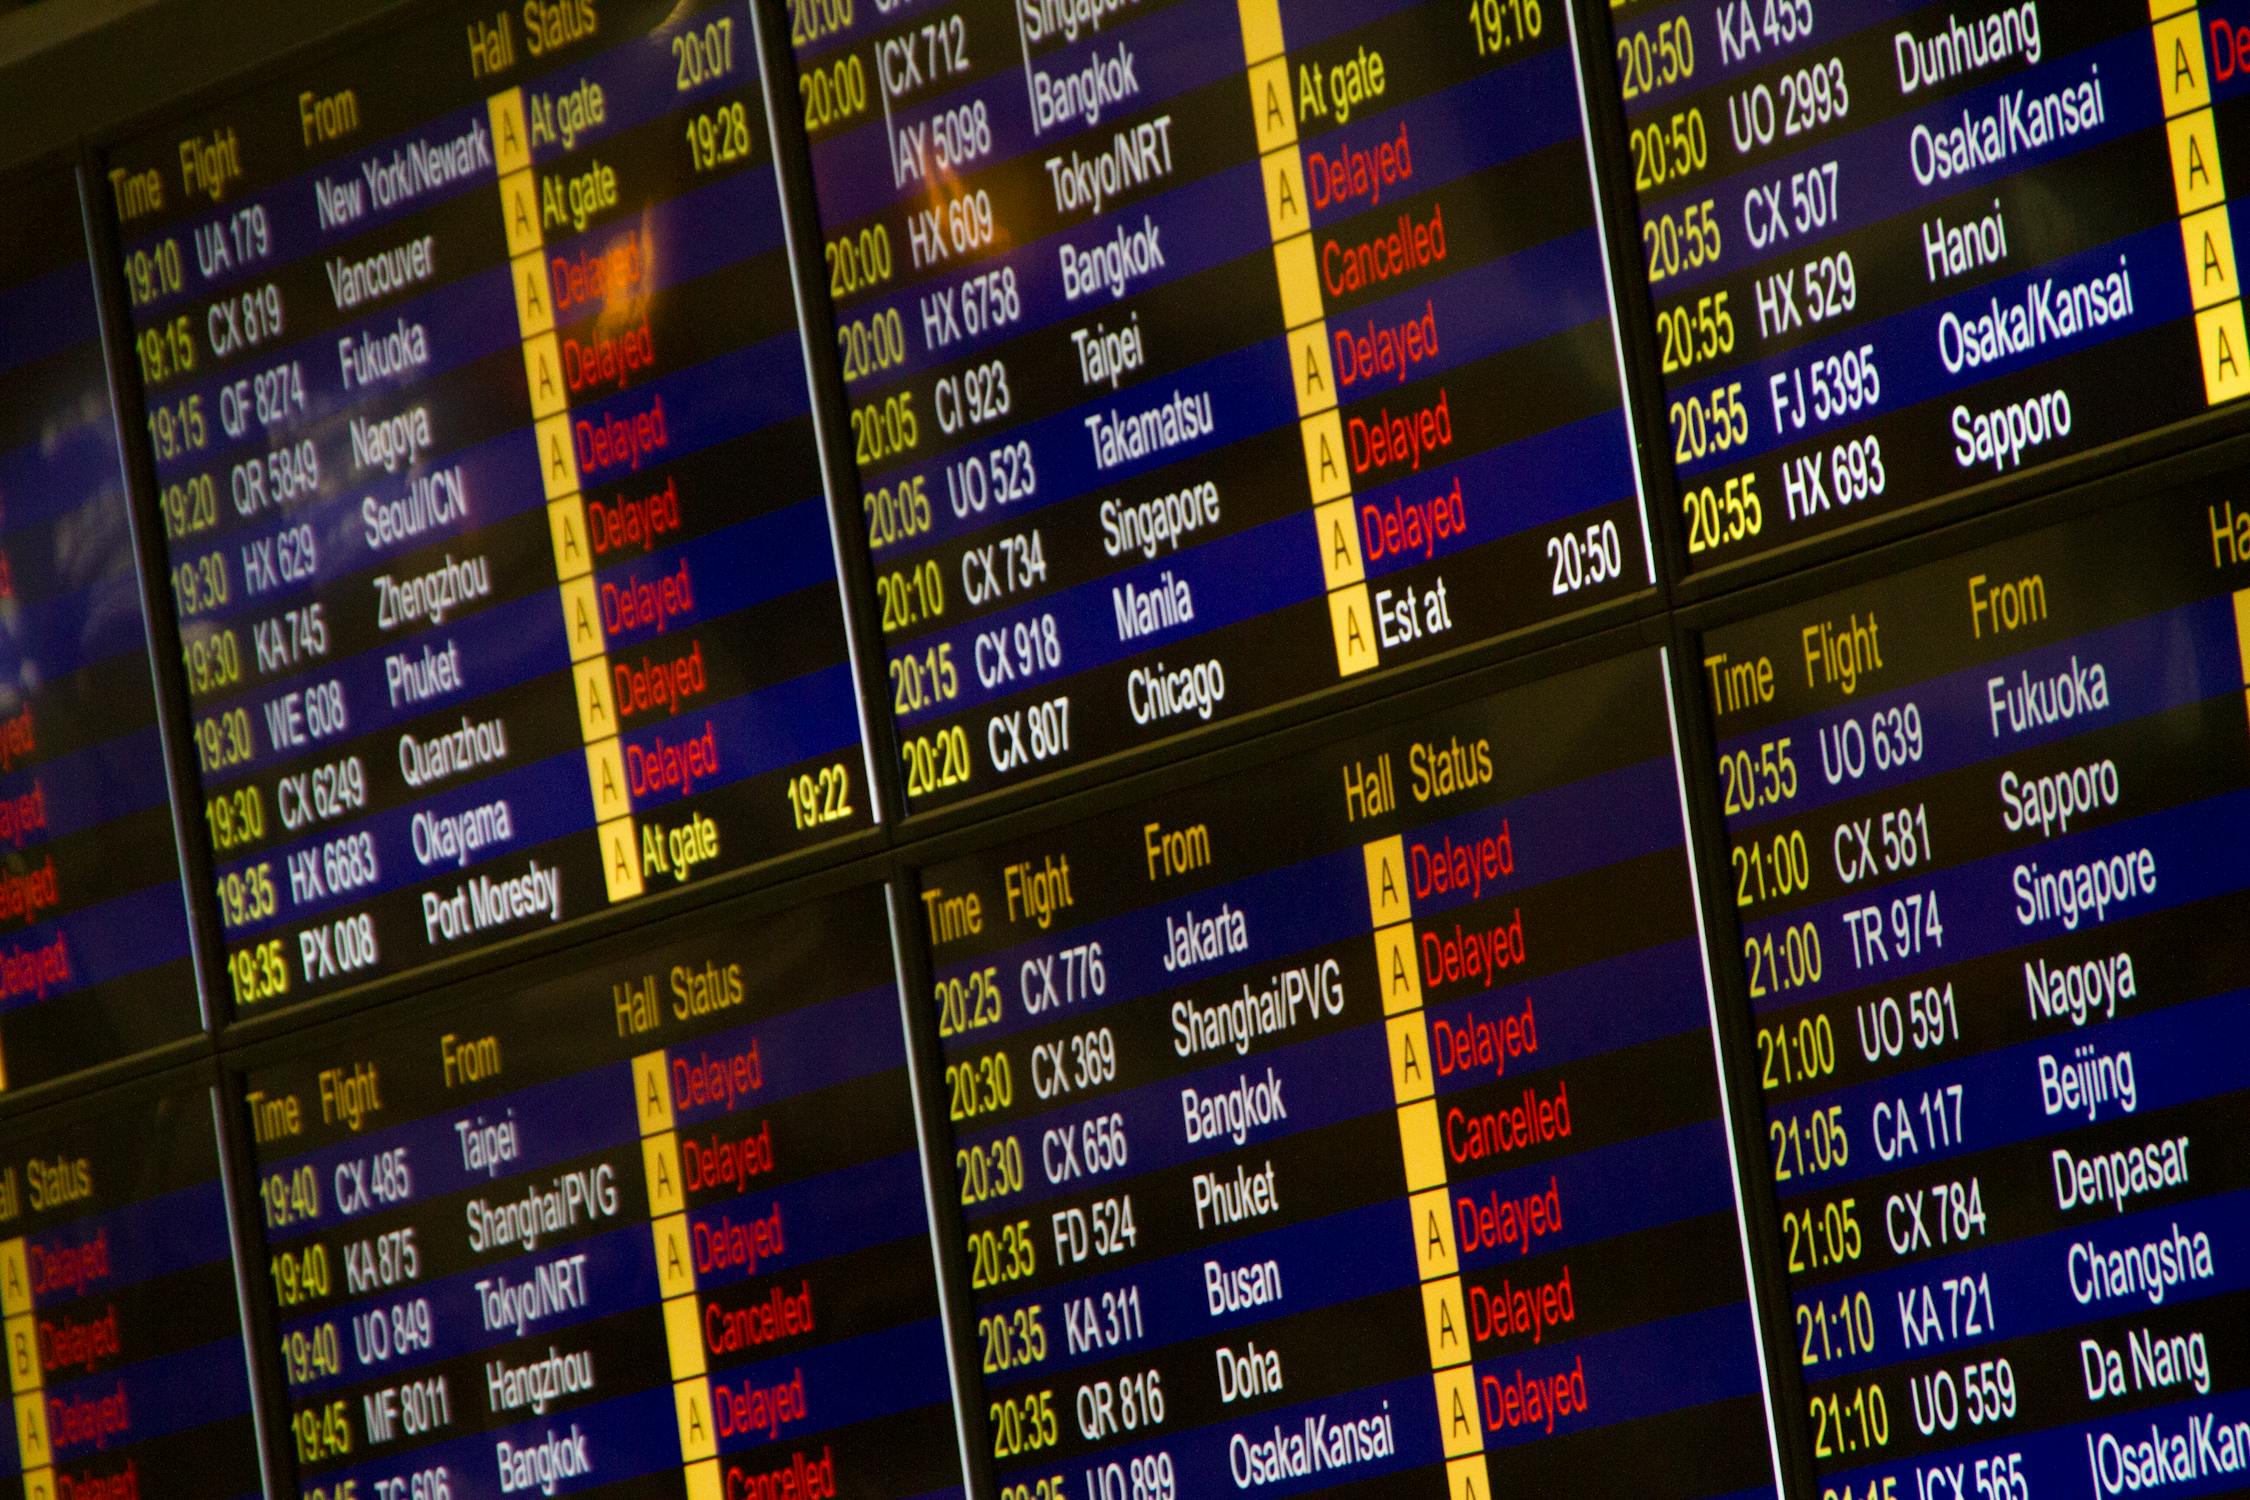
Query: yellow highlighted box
{"type": "Point", "coordinates": [2207, 240]}
{"type": "Point", "coordinates": [1287, 211]}
{"type": "Point", "coordinates": [23, 1354]}
{"type": "Point", "coordinates": [15, 1278]}
{"type": "Point", "coordinates": [582, 617]}
{"type": "Point", "coordinates": [535, 310]}
{"type": "Point", "coordinates": [1460, 1430]}
{"type": "Point", "coordinates": [2242, 630]}
{"type": "Point", "coordinates": [605, 777]}
{"type": "Point", "coordinates": [1446, 1321]}
{"type": "Point", "coordinates": [1351, 618]}
{"type": "Point", "coordinates": [660, 1159]}
{"type": "Point", "coordinates": [511, 138]}
{"type": "Point", "coordinates": [621, 859]}
{"type": "Point", "coordinates": [1436, 1253]}
{"type": "Point", "coordinates": [691, 1401]}
{"type": "Point", "coordinates": [1395, 971]}
{"type": "Point", "coordinates": [1261, 29]}
{"type": "Point", "coordinates": [1420, 1145]}
{"type": "Point", "coordinates": [652, 1092]}
{"type": "Point", "coordinates": [1469, 1478]}
{"type": "Point", "coordinates": [1270, 108]}
{"type": "Point", "coordinates": [683, 1337]}
{"type": "Point", "coordinates": [558, 464]}
{"type": "Point", "coordinates": [31, 1431]}
{"type": "Point", "coordinates": [2197, 182]}
{"type": "Point", "coordinates": [543, 374]}
{"type": "Point", "coordinates": [1340, 561]}
{"type": "Point", "coordinates": [1411, 1078]}
{"type": "Point", "coordinates": [1312, 371]}
{"type": "Point", "coordinates": [519, 211]}
{"type": "Point", "coordinates": [1386, 881]}
{"type": "Point", "coordinates": [1299, 275]}
{"type": "Point", "coordinates": [1325, 457]}
{"type": "Point", "coordinates": [597, 705]}
{"type": "Point", "coordinates": [566, 528]}
{"type": "Point", "coordinates": [2226, 354]}
{"type": "Point", "coordinates": [2181, 77]}
{"type": "Point", "coordinates": [675, 1267]}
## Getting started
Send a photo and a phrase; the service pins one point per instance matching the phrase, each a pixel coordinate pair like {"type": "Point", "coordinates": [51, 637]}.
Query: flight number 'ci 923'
{"type": "Point", "coordinates": [972, 398]}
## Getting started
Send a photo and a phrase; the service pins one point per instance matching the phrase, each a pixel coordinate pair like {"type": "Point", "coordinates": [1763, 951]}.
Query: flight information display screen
{"type": "Point", "coordinates": [498, 545]}
{"type": "Point", "coordinates": [1202, 354]}
{"type": "Point", "coordinates": [87, 849]}
{"type": "Point", "coordinates": [128, 1374]}
{"type": "Point", "coordinates": [1986, 822]}
{"type": "Point", "coordinates": [655, 1225]}
{"type": "Point", "coordinates": [1898, 249]}
{"type": "Point", "coordinates": [1357, 1117]}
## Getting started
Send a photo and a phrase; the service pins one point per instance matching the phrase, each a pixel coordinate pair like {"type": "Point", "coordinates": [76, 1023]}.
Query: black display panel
{"type": "Point", "coordinates": [1986, 821]}
{"type": "Point", "coordinates": [1200, 355]}
{"type": "Point", "coordinates": [1352, 1123]}
{"type": "Point", "coordinates": [653, 1222]}
{"type": "Point", "coordinates": [481, 435]}
{"type": "Point", "coordinates": [127, 1367]}
{"type": "Point", "coordinates": [1898, 249]}
{"type": "Point", "coordinates": [87, 849]}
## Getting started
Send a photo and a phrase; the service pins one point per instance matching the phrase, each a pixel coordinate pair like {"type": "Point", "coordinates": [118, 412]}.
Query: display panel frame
{"type": "Point", "coordinates": [243, 1054]}
{"type": "Point", "coordinates": [1855, 567]}
{"type": "Point", "coordinates": [1728, 578]}
{"type": "Point", "coordinates": [1766, 1291]}
{"type": "Point", "coordinates": [162, 621]}
{"type": "Point", "coordinates": [75, 164]}
{"type": "Point", "coordinates": [1632, 343]}
{"type": "Point", "coordinates": [144, 1078]}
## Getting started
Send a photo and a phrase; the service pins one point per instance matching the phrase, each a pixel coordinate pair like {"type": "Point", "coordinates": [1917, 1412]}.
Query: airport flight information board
{"type": "Point", "coordinates": [128, 1372]}
{"type": "Point", "coordinates": [1200, 355]}
{"type": "Point", "coordinates": [1986, 822]}
{"type": "Point", "coordinates": [86, 842]}
{"type": "Point", "coordinates": [1898, 249]}
{"type": "Point", "coordinates": [1352, 1124]}
{"type": "Point", "coordinates": [502, 564]}
{"type": "Point", "coordinates": [655, 1225]}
